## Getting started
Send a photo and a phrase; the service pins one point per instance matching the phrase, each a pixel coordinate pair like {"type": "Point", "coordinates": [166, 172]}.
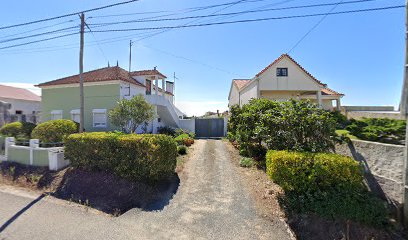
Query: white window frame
{"type": "Point", "coordinates": [56, 112]}
{"type": "Point", "coordinates": [74, 113]}
{"type": "Point", "coordinates": [102, 124]}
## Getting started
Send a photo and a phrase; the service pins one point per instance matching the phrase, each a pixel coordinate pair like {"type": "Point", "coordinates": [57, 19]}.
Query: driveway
{"type": "Point", "coordinates": [211, 203]}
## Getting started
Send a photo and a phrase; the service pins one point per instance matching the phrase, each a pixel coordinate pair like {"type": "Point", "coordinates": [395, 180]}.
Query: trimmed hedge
{"type": "Point", "coordinates": [54, 130]}
{"type": "Point", "coordinates": [131, 156]}
{"type": "Point", "coordinates": [17, 129]}
{"type": "Point", "coordinates": [326, 184]}
{"type": "Point", "coordinates": [310, 172]}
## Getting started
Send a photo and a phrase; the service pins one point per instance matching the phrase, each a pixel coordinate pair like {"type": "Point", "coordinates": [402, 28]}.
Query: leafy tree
{"type": "Point", "coordinates": [130, 114]}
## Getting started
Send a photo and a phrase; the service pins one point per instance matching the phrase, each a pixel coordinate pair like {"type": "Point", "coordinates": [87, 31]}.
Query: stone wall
{"type": "Point", "coordinates": [384, 165]}
{"type": "Point", "coordinates": [372, 114]}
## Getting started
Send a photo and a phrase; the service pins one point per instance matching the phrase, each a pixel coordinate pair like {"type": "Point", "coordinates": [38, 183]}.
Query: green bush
{"type": "Point", "coordinates": [311, 172]}
{"type": "Point", "coordinates": [341, 120]}
{"type": "Point", "coordinates": [328, 184]}
{"type": "Point", "coordinates": [132, 156]}
{"type": "Point", "coordinates": [166, 130]}
{"type": "Point", "coordinates": [292, 125]}
{"type": "Point", "coordinates": [184, 139]}
{"type": "Point", "coordinates": [379, 130]}
{"type": "Point", "coordinates": [180, 131]}
{"type": "Point", "coordinates": [54, 130]}
{"type": "Point", "coordinates": [182, 150]}
{"type": "Point", "coordinates": [246, 162]}
{"type": "Point", "coordinates": [17, 129]}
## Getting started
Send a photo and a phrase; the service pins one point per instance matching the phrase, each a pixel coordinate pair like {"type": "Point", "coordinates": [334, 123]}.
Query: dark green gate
{"type": "Point", "coordinates": [209, 127]}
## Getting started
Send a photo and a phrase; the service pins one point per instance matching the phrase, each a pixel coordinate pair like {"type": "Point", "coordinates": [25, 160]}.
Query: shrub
{"type": "Point", "coordinates": [379, 130]}
{"type": "Point", "coordinates": [311, 172]}
{"type": "Point", "coordinates": [292, 125]}
{"type": "Point", "coordinates": [166, 130]}
{"type": "Point", "coordinates": [328, 184]}
{"type": "Point", "coordinates": [341, 120]}
{"type": "Point", "coordinates": [54, 130]}
{"type": "Point", "coordinates": [180, 131]}
{"type": "Point", "coordinates": [184, 139]}
{"type": "Point", "coordinates": [17, 129]}
{"type": "Point", "coordinates": [246, 162]}
{"type": "Point", "coordinates": [132, 156]}
{"type": "Point", "coordinates": [182, 150]}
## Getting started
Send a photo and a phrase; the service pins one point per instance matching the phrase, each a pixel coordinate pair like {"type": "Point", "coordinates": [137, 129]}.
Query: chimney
{"type": "Point", "coordinates": [155, 68]}
{"type": "Point", "coordinates": [218, 113]}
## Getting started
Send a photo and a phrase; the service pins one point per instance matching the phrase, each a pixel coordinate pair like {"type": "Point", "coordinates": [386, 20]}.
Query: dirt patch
{"type": "Point", "coordinates": [102, 191]}
{"type": "Point", "coordinates": [303, 226]}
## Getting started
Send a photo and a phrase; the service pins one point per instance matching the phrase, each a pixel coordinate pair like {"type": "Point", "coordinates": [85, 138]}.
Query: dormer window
{"type": "Point", "coordinates": [281, 72]}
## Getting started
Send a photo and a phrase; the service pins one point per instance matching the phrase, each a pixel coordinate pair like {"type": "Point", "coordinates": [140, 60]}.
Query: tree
{"type": "Point", "coordinates": [130, 114]}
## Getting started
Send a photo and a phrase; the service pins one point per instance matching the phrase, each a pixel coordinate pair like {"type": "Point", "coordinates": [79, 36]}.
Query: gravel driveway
{"type": "Point", "coordinates": [211, 203]}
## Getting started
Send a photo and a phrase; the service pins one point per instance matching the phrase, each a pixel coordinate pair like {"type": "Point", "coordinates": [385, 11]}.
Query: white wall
{"type": "Point", "coordinates": [187, 124]}
{"type": "Point", "coordinates": [297, 79]}
{"type": "Point", "coordinates": [251, 91]}
{"type": "Point", "coordinates": [134, 90]}
{"type": "Point", "coordinates": [22, 105]}
{"type": "Point", "coordinates": [234, 97]}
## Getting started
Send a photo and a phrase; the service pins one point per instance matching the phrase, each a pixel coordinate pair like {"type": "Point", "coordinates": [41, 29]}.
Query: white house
{"type": "Point", "coordinates": [282, 80]}
{"type": "Point", "coordinates": [25, 105]}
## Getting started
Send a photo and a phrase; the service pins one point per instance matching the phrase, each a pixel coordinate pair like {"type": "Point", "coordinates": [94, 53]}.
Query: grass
{"type": "Point", "coordinates": [346, 133]}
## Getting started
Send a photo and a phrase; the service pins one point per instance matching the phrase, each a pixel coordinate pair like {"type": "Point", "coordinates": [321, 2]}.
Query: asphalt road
{"type": "Point", "coordinates": [211, 203]}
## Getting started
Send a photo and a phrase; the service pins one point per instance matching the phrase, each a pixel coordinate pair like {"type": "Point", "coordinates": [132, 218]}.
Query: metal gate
{"type": "Point", "coordinates": [209, 127]}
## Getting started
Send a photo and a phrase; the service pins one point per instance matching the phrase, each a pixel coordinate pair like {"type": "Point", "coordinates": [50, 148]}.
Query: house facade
{"type": "Point", "coordinates": [103, 88]}
{"type": "Point", "coordinates": [282, 80]}
{"type": "Point", "coordinates": [22, 104]}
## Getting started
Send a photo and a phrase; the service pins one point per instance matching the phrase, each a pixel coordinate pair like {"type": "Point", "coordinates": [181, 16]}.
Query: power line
{"type": "Point", "coordinates": [229, 14]}
{"type": "Point", "coordinates": [176, 12]}
{"type": "Point", "coordinates": [41, 40]}
{"type": "Point", "coordinates": [315, 26]}
{"type": "Point", "coordinates": [36, 29]}
{"type": "Point", "coordinates": [37, 35]}
{"type": "Point", "coordinates": [251, 20]}
{"type": "Point", "coordinates": [67, 15]}
{"type": "Point", "coordinates": [96, 40]}
{"type": "Point", "coordinates": [216, 23]}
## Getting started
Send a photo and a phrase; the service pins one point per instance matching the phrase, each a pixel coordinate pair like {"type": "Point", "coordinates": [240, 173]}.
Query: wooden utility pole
{"type": "Point", "coordinates": [404, 112]}
{"type": "Point", "coordinates": [174, 87]}
{"type": "Point", "coordinates": [130, 56]}
{"type": "Point", "coordinates": [81, 79]}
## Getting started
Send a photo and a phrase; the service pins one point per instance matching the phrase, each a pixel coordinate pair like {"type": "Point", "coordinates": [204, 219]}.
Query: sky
{"type": "Point", "coordinates": [358, 54]}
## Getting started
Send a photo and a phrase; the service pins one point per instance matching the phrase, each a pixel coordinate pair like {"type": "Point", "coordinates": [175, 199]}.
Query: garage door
{"type": "Point", "coordinates": [209, 127]}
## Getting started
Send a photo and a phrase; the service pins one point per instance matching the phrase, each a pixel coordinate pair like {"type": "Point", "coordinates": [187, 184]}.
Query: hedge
{"type": "Point", "coordinates": [130, 156]}
{"type": "Point", "coordinates": [326, 184]}
{"type": "Point", "coordinates": [55, 130]}
{"type": "Point", "coordinates": [311, 172]}
{"type": "Point", "coordinates": [17, 129]}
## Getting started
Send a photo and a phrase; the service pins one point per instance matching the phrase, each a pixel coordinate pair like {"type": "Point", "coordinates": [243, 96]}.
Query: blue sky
{"type": "Point", "coordinates": [361, 55]}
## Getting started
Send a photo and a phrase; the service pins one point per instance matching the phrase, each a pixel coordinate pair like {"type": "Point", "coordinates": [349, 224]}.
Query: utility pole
{"type": "Point", "coordinates": [130, 56]}
{"type": "Point", "coordinates": [174, 87]}
{"type": "Point", "coordinates": [404, 112]}
{"type": "Point", "coordinates": [81, 79]}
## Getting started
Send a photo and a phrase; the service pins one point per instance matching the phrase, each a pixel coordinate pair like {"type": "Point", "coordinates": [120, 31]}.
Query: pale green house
{"type": "Point", "coordinates": [103, 88]}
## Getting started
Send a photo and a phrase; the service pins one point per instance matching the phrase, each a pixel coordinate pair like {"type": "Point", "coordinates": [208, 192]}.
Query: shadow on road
{"type": "Point", "coordinates": [18, 214]}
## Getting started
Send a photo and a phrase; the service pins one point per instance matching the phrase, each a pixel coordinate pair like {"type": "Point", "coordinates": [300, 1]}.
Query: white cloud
{"type": "Point", "coordinates": [199, 108]}
{"type": "Point", "coordinates": [28, 86]}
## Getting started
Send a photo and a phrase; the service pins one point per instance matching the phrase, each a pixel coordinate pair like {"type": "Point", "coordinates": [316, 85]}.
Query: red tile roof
{"type": "Point", "coordinates": [290, 58]}
{"type": "Point", "coordinates": [18, 93]}
{"type": "Point", "coordinates": [147, 73]}
{"type": "Point", "coordinates": [98, 75]}
{"type": "Point", "coordinates": [240, 83]}
{"type": "Point", "coordinates": [328, 91]}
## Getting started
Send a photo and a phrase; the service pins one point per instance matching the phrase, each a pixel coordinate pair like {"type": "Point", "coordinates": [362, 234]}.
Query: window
{"type": "Point", "coordinates": [19, 112]}
{"type": "Point", "coordinates": [99, 118]}
{"type": "Point", "coordinates": [148, 87]}
{"type": "Point", "coordinates": [56, 114]}
{"type": "Point", "coordinates": [75, 115]}
{"type": "Point", "coordinates": [282, 72]}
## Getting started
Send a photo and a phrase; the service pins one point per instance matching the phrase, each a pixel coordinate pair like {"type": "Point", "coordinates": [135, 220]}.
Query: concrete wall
{"type": "Point", "coordinates": [28, 107]}
{"type": "Point", "coordinates": [234, 96]}
{"type": "Point", "coordinates": [384, 165]}
{"type": "Point", "coordinates": [187, 124]}
{"type": "Point", "coordinates": [368, 114]}
{"type": "Point", "coordinates": [368, 108]}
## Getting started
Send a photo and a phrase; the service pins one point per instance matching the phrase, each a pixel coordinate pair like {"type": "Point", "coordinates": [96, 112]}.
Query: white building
{"type": "Point", "coordinates": [282, 80]}
{"type": "Point", "coordinates": [25, 105]}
